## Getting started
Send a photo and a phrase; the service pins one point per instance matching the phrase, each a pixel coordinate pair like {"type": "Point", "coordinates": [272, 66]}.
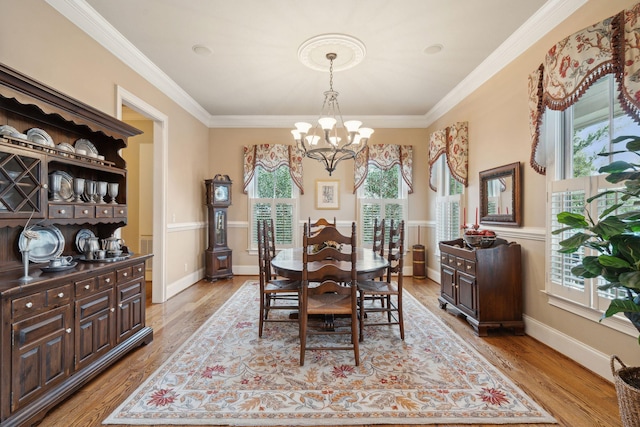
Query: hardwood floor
{"type": "Point", "coordinates": [572, 394]}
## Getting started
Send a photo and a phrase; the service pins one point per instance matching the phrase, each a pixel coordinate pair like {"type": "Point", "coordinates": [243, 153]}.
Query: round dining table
{"type": "Point", "coordinates": [369, 264]}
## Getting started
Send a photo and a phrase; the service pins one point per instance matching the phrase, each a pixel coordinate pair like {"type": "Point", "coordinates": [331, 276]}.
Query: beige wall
{"type": "Point", "coordinates": [38, 41]}
{"type": "Point", "coordinates": [499, 134]}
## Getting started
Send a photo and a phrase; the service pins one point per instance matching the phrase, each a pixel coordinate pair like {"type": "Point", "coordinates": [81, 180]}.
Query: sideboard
{"type": "Point", "coordinates": [483, 284]}
{"type": "Point", "coordinates": [60, 329]}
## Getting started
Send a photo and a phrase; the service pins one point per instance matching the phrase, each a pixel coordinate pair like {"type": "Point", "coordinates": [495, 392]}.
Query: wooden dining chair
{"type": "Point", "coordinates": [390, 290]}
{"type": "Point", "coordinates": [334, 289]}
{"type": "Point", "coordinates": [378, 238]}
{"type": "Point", "coordinates": [274, 293]}
{"type": "Point", "coordinates": [317, 225]}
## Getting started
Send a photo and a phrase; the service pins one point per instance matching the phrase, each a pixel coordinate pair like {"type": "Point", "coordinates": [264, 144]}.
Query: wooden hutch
{"type": "Point", "coordinates": [483, 284]}
{"type": "Point", "coordinates": [60, 329]}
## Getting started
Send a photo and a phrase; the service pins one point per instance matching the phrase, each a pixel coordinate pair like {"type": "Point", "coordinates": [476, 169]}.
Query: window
{"type": "Point", "coordinates": [383, 195]}
{"type": "Point", "coordinates": [272, 195]}
{"type": "Point", "coordinates": [448, 203]}
{"type": "Point", "coordinates": [582, 131]}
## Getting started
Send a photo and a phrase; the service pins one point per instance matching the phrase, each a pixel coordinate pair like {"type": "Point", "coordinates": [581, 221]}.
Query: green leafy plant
{"type": "Point", "coordinates": [614, 235]}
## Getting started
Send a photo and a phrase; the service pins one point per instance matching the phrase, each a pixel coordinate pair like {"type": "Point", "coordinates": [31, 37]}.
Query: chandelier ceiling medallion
{"type": "Point", "coordinates": [332, 139]}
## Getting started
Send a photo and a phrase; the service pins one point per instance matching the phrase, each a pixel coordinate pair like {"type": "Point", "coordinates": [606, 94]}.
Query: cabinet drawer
{"type": "Point", "coordinates": [59, 296]}
{"type": "Point", "coordinates": [138, 270]}
{"type": "Point", "coordinates": [83, 212]}
{"type": "Point", "coordinates": [28, 305]}
{"type": "Point", "coordinates": [459, 263]}
{"type": "Point", "coordinates": [127, 292]}
{"type": "Point", "coordinates": [124, 274]}
{"type": "Point", "coordinates": [85, 287]}
{"type": "Point", "coordinates": [104, 211]}
{"type": "Point", "coordinates": [60, 211]}
{"type": "Point", "coordinates": [106, 281]}
{"type": "Point", "coordinates": [119, 211]}
{"type": "Point", "coordinates": [470, 267]}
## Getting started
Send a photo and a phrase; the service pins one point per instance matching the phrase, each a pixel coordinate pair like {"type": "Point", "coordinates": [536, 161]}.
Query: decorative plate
{"type": "Point", "coordinates": [81, 236]}
{"type": "Point", "coordinates": [66, 186]}
{"type": "Point", "coordinates": [8, 130]}
{"type": "Point", "coordinates": [59, 268]}
{"type": "Point", "coordinates": [86, 145]}
{"type": "Point", "coordinates": [48, 245]}
{"type": "Point", "coordinates": [40, 137]}
{"type": "Point", "coordinates": [65, 146]}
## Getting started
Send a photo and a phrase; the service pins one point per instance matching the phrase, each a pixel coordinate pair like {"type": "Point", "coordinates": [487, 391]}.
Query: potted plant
{"type": "Point", "coordinates": [615, 236]}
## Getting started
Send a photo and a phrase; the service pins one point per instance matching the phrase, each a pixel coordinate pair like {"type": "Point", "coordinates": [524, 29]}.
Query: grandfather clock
{"type": "Point", "coordinates": [217, 257]}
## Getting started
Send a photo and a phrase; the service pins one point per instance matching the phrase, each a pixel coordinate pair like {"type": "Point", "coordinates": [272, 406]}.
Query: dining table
{"type": "Point", "coordinates": [369, 264]}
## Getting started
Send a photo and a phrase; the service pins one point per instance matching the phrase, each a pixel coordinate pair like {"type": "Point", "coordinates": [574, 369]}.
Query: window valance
{"type": "Point", "coordinates": [453, 142]}
{"type": "Point", "coordinates": [271, 157]}
{"type": "Point", "coordinates": [384, 156]}
{"type": "Point", "coordinates": [576, 62]}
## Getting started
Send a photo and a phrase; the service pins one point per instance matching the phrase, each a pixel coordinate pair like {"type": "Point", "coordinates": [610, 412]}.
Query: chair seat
{"type": "Point", "coordinates": [378, 287]}
{"type": "Point", "coordinates": [282, 285]}
{"type": "Point", "coordinates": [329, 304]}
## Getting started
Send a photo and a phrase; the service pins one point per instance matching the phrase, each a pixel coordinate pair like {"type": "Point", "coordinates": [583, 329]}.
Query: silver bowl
{"type": "Point", "coordinates": [479, 240]}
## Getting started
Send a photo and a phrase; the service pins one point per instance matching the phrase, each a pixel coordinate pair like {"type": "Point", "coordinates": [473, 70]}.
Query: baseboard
{"type": "Point", "coordinates": [184, 282]}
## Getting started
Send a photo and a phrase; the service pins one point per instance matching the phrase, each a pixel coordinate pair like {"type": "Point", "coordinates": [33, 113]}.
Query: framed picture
{"type": "Point", "coordinates": [328, 194]}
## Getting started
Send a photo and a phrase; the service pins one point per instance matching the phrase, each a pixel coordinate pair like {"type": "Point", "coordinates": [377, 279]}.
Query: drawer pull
{"type": "Point", "coordinates": [468, 267]}
{"type": "Point", "coordinates": [85, 211]}
{"type": "Point", "coordinates": [125, 274]}
{"type": "Point", "coordinates": [121, 211]}
{"type": "Point", "coordinates": [61, 295]}
{"type": "Point", "coordinates": [113, 309]}
{"type": "Point", "coordinates": [62, 211]}
{"type": "Point", "coordinates": [120, 305]}
{"type": "Point", "coordinates": [29, 304]}
{"type": "Point", "coordinates": [87, 287]}
{"type": "Point", "coordinates": [139, 269]}
{"type": "Point", "coordinates": [68, 330]}
{"type": "Point", "coordinates": [105, 211]}
{"type": "Point", "coordinates": [45, 185]}
{"type": "Point", "coordinates": [107, 280]}
{"type": "Point", "coordinates": [444, 258]}
{"type": "Point", "coordinates": [458, 264]}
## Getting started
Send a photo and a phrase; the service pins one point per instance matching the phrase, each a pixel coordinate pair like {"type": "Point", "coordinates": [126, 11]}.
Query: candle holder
{"type": "Point", "coordinates": [25, 266]}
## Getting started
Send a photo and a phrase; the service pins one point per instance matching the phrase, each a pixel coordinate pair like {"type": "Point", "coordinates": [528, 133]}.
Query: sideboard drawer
{"type": "Point", "coordinates": [83, 212]}
{"type": "Point", "coordinates": [28, 305]}
{"type": "Point", "coordinates": [124, 274]}
{"type": "Point", "coordinates": [85, 287]}
{"type": "Point", "coordinates": [59, 296]}
{"type": "Point", "coordinates": [104, 211]}
{"type": "Point", "coordinates": [107, 280]}
{"type": "Point", "coordinates": [119, 211]}
{"type": "Point", "coordinates": [60, 211]}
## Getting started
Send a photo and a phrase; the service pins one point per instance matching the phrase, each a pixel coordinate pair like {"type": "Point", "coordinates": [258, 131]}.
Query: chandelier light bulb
{"type": "Point", "coordinates": [312, 139]}
{"type": "Point", "coordinates": [327, 123]}
{"type": "Point", "coordinates": [303, 127]}
{"type": "Point", "coordinates": [352, 125]}
{"type": "Point", "coordinates": [334, 140]}
{"type": "Point", "coordinates": [365, 133]}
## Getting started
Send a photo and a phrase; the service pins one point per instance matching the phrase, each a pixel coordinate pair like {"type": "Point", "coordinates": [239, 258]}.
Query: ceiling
{"type": "Point", "coordinates": [252, 74]}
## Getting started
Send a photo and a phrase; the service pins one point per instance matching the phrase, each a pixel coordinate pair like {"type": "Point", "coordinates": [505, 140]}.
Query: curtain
{"type": "Point", "coordinates": [384, 156]}
{"type": "Point", "coordinates": [271, 157]}
{"type": "Point", "coordinates": [611, 46]}
{"type": "Point", "coordinates": [453, 142]}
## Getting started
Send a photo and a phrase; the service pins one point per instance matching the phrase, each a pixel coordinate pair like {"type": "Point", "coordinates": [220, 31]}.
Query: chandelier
{"type": "Point", "coordinates": [332, 139]}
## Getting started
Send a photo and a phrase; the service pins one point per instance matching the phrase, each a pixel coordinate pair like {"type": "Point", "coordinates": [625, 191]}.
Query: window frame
{"type": "Point", "coordinates": [446, 203]}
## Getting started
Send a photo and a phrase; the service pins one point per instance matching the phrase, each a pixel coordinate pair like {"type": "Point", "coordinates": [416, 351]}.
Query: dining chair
{"type": "Point", "coordinates": [378, 236]}
{"type": "Point", "coordinates": [334, 290]}
{"type": "Point", "coordinates": [320, 223]}
{"type": "Point", "coordinates": [370, 290]}
{"type": "Point", "coordinates": [274, 293]}
{"type": "Point", "coordinates": [270, 239]}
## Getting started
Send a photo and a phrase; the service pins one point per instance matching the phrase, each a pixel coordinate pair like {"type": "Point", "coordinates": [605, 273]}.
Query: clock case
{"type": "Point", "coordinates": [218, 260]}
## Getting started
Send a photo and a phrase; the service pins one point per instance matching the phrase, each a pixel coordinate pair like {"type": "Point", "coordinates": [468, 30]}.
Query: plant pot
{"type": "Point", "coordinates": [634, 317]}
{"type": "Point", "coordinates": [627, 382]}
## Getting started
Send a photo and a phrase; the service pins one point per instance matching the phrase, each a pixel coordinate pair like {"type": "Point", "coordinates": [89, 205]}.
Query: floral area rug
{"type": "Point", "coordinates": [224, 374]}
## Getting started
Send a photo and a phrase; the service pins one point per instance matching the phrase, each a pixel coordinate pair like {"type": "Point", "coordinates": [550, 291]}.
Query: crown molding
{"type": "Point", "coordinates": [552, 13]}
{"type": "Point", "coordinates": [88, 20]}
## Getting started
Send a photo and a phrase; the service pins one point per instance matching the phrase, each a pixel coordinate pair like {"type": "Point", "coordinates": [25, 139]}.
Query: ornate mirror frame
{"type": "Point", "coordinates": [505, 208]}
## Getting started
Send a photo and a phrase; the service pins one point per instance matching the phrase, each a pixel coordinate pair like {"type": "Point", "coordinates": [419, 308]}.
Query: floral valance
{"type": "Point", "coordinates": [384, 156]}
{"type": "Point", "coordinates": [271, 157]}
{"type": "Point", "coordinates": [573, 64]}
{"type": "Point", "coordinates": [453, 142]}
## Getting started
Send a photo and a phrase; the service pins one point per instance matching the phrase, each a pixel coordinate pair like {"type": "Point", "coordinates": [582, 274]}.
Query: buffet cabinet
{"type": "Point", "coordinates": [483, 284]}
{"type": "Point", "coordinates": [60, 328]}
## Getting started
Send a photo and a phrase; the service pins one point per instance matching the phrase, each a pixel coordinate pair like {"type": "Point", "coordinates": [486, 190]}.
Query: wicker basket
{"type": "Point", "coordinates": [628, 395]}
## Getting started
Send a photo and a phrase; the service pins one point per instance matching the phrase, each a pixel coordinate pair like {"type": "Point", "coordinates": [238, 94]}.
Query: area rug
{"type": "Point", "coordinates": [224, 374]}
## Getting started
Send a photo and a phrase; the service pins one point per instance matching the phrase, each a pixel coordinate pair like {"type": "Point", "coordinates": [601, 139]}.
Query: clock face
{"type": "Point", "coordinates": [221, 193]}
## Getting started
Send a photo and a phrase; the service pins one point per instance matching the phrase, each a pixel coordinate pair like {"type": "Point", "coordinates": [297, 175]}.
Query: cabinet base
{"type": "Point", "coordinates": [481, 328]}
{"type": "Point", "coordinates": [35, 412]}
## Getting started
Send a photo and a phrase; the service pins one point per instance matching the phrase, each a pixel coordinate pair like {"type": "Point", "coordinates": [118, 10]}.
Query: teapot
{"type": "Point", "coordinates": [91, 244]}
{"type": "Point", "coordinates": [112, 244]}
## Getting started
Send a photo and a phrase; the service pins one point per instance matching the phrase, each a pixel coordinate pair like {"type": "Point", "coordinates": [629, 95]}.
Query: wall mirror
{"type": "Point", "coordinates": [501, 196]}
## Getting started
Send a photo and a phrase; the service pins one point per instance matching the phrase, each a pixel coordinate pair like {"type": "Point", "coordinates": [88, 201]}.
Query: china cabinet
{"type": "Point", "coordinates": [61, 326]}
{"type": "Point", "coordinates": [483, 284]}
{"type": "Point", "coordinates": [218, 255]}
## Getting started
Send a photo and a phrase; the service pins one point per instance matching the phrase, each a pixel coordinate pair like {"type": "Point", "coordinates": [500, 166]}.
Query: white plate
{"type": "Point", "coordinates": [48, 245]}
{"type": "Point", "coordinates": [65, 146]}
{"type": "Point", "coordinates": [40, 137]}
{"type": "Point", "coordinates": [86, 145]}
{"type": "Point", "coordinates": [81, 237]}
{"type": "Point", "coordinates": [59, 268]}
{"type": "Point", "coordinates": [8, 130]}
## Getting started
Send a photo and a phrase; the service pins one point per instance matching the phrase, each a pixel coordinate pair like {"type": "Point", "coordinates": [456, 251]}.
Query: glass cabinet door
{"type": "Point", "coordinates": [220, 224]}
{"type": "Point", "coordinates": [21, 191]}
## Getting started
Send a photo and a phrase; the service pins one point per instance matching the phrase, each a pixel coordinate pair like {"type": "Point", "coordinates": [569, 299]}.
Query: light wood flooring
{"type": "Point", "coordinates": [575, 396]}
